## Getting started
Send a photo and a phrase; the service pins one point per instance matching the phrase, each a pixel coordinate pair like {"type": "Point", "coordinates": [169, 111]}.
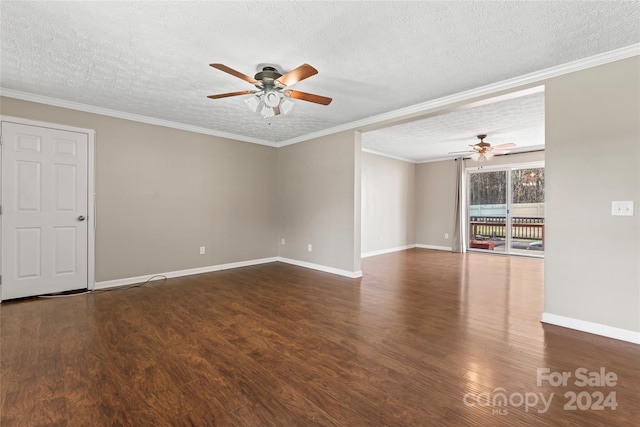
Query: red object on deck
{"type": "Point", "coordinates": [479, 244]}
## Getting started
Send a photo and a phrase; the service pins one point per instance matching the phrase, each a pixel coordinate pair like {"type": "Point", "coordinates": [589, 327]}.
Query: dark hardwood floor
{"type": "Point", "coordinates": [425, 338]}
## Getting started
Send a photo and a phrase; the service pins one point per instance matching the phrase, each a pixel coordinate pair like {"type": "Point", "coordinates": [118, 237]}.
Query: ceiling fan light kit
{"type": "Point", "coordinates": [484, 151]}
{"type": "Point", "coordinates": [269, 104]}
{"type": "Point", "coordinates": [271, 98]}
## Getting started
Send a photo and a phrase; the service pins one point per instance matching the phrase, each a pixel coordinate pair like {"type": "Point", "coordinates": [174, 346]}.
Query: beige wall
{"type": "Point", "coordinates": [593, 158]}
{"type": "Point", "coordinates": [318, 201]}
{"type": "Point", "coordinates": [162, 193]}
{"type": "Point", "coordinates": [388, 203]}
{"type": "Point", "coordinates": [435, 204]}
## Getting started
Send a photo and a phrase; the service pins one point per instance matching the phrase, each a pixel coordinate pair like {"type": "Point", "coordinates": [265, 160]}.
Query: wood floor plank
{"type": "Point", "coordinates": [280, 345]}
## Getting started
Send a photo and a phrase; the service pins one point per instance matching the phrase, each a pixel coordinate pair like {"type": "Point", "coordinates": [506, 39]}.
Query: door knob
{"type": "Point", "coordinates": [81, 218]}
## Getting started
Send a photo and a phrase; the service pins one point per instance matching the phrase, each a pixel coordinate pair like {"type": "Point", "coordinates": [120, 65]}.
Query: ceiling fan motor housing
{"type": "Point", "coordinates": [268, 76]}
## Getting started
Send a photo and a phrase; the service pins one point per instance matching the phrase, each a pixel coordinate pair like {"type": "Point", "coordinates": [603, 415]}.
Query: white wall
{"type": "Point", "coordinates": [388, 203]}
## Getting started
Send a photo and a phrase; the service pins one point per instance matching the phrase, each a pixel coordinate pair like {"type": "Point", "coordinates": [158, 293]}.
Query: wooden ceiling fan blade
{"type": "Point", "coordinates": [296, 75]}
{"type": "Point", "coordinates": [228, 94]}
{"type": "Point", "coordinates": [509, 145]}
{"type": "Point", "coordinates": [235, 73]}
{"type": "Point", "coordinates": [308, 97]}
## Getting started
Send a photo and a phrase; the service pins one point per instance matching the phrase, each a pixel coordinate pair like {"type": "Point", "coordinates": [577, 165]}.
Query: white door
{"type": "Point", "coordinates": [44, 210]}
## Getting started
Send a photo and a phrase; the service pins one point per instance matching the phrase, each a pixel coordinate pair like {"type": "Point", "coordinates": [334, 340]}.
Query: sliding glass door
{"type": "Point", "coordinates": [488, 210]}
{"type": "Point", "coordinates": [527, 211]}
{"type": "Point", "coordinates": [506, 210]}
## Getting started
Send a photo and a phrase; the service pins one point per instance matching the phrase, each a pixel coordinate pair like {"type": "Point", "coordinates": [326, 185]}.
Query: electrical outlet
{"type": "Point", "coordinates": [203, 250]}
{"type": "Point", "coordinates": [309, 247]}
{"type": "Point", "coordinates": [622, 208]}
{"type": "Point", "coordinates": [446, 235]}
{"type": "Point", "coordinates": [282, 241]}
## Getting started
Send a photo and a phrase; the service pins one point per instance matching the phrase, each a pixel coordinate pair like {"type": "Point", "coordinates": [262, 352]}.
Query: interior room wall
{"type": "Point", "coordinates": [161, 193]}
{"type": "Point", "coordinates": [435, 203]}
{"type": "Point", "coordinates": [388, 203]}
{"type": "Point", "coordinates": [317, 201]}
{"type": "Point", "coordinates": [592, 266]}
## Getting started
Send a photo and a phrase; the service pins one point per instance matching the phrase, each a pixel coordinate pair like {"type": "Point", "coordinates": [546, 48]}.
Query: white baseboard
{"type": "Point", "coordinates": [345, 273]}
{"type": "Point", "coordinates": [180, 273]}
{"type": "Point", "coordinates": [386, 251]}
{"type": "Point", "coordinates": [592, 328]}
{"type": "Point", "coordinates": [438, 248]}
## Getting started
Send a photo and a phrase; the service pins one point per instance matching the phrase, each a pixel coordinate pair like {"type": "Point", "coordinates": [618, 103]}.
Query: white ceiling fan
{"type": "Point", "coordinates": [484, 151]}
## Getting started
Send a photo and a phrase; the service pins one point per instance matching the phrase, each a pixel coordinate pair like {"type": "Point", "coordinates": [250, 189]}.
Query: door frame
{"type": "Point", "coordinates": [91, 223]}
{"type": "Point", "coordinates": [507, 167]}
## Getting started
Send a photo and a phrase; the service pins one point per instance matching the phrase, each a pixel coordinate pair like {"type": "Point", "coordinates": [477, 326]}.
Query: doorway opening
{"type": "Point", "coordinates": [506, 209]}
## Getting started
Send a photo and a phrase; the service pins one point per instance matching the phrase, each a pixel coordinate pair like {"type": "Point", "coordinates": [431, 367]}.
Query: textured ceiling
{"type": "Point", "coordinates": [518, 120]}
{"type": "Point", "coordinates": [151, 58]}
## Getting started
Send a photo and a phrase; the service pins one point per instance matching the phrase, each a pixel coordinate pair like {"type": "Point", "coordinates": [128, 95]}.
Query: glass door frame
{"type": "Point", "coordinates": [507, 168]}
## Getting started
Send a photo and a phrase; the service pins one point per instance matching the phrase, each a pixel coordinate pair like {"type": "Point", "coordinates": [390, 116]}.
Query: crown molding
{"type": "Point", "coordinates": [531, 78]}
{"type": "Point", "coordinates": [25, 96]}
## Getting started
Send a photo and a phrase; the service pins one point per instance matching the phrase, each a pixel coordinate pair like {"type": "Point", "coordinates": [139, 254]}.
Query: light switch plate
{"type": "Point", "coordinates": [622, 208]}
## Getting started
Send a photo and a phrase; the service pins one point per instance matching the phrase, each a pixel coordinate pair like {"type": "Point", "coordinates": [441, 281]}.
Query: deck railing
{"type": "Point", "coordinates": [526, 228]}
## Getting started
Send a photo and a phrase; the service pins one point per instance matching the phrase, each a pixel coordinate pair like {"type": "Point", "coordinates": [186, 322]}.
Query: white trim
{"type": "Point", "coordinates": [437, 248]}
{"type": "Point", "coordinates": [390, 156]}
{"type": "Point", "coordinates": [531, 78]}
{"type": "Point", "coordinates": [91, 219]}
{"type": "Point", "coordinates": [25, 96]}
{"type": "Point", "coordinates": [48, 125]}
{"type": "Point", "coordinates": [592, 328]}
{"type": "Point", "coordinates": [505, 166]}
{"type": "Point", "coordinates": [180, 273]}
{"type": "Point", "coordinates": [465, 156]}
{"type": "Point", "coordinates": [386, 251]}
{"type": "Point", "coordinates": [339, 272]}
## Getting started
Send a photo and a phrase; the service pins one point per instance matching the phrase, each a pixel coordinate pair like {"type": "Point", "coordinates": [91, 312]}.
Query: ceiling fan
{"type": "Point", "coordinates": [484, 151]}
{"type": "Point", "coordinates": [271, 96]}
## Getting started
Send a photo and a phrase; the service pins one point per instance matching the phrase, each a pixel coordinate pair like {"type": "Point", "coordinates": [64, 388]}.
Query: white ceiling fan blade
{"type": "Point", "coordinates": [494, 152]}
{"type": "Point", "coordinates": [508, 145]}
